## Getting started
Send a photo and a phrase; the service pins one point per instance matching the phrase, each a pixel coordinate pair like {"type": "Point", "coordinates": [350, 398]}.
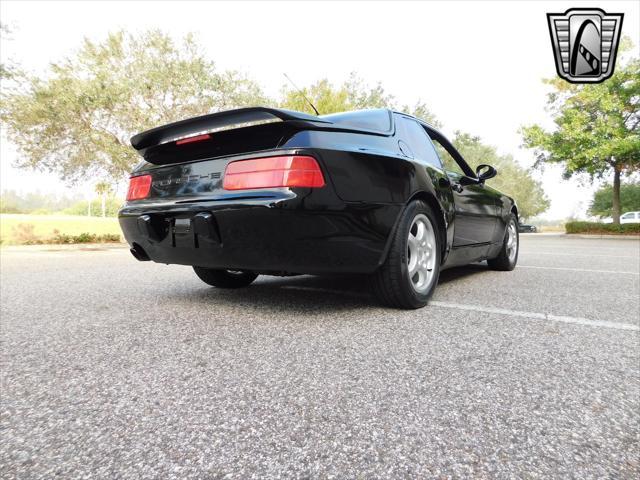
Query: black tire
{"type": "Point", "coordinates": [391, 282]}
{"type": "Point", "coordinates": [225, 278]}
{"type": "Point", "coordinates": [504, 262]}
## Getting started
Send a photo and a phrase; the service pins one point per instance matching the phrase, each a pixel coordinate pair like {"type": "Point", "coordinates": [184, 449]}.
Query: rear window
{"type": "Point", "coordinates": [375, 120]}
{"type": "Point", "coordinates": [419, 142]}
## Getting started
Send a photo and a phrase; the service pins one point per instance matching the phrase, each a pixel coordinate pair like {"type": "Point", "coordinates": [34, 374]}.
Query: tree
{"type": "Point", "coordinates": [76, 121]}
{"type": "Point", "coordinates": [16, 202]}
{"type": "Point", "coordinates": [512, 179]}
{"type": "Point", "coordinates": [8, 71]}
{"type": "Point", "coordinates": [602, 204]}
{"type": "Point", "coordinates": [103, 189]}
{"type": "Point", "coordinates": [353, 94]}
{"type": "Point", "coordinates": [597, 128]}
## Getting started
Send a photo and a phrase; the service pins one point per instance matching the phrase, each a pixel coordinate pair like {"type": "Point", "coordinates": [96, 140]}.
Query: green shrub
{"type": "Point", "coordinates": [602, 228]}
{"type": "Point", "coordinates": [61, 238]}
{"type": "Point", "coordinates": [110, 237]}
{"type": "Point", "coordinates": [85, 238]}
{"type": "Point", "coordinates": [23, 234]}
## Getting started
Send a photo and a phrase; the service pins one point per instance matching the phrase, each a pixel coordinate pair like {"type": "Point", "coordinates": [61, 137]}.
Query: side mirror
{"type": "Point", "coordinates": [485, 172]}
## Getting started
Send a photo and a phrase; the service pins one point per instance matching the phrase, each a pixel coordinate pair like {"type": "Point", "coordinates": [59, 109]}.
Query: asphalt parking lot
{"type": "Point", "coordinates": [113, 368]}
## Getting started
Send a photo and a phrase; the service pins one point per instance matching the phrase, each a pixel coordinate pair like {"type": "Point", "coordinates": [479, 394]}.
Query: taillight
{"type": "Point", "coordinates": [285, 171]}
{"type": "Point", "coordinates": [197, 138]}
{"type": "Point", "coordinates": [139, 187]}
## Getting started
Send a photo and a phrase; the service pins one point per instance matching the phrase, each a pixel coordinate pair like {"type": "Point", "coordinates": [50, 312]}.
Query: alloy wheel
{"type": "Point", "coordinates": [421, 253]}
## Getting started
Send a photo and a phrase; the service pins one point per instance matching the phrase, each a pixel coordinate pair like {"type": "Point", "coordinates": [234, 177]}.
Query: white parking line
{"type": "Point", "coordinates": [499, 311]}
{"type": "Point", "coordinates": [579, 270]}
{"type": "Point", "coordinates": [539, 316]}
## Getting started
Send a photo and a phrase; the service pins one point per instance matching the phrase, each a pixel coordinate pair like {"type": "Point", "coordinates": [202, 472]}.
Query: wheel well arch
{"type": "Point", "coordinates": [431, 200]}
{"type": "Point", "coordinates": [514, 210]}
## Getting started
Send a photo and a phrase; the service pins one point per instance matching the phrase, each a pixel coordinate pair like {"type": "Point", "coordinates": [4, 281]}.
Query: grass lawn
{"type": "Point", "coordinates": [44, 226]}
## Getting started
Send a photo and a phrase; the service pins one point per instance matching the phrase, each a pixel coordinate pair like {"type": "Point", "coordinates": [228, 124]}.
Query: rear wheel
{"type": "Point", "coordinates": [225, 278]}
{"type": "Point", "coordinates": [410, 273]}
{"type": "Point", "coordinates": [508, 256]}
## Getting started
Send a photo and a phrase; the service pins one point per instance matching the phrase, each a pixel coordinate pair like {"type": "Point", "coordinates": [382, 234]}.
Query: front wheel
{"type": "Point", "coordinates": [508, 256]}
{"type": "Point", "coordinates": [225, 278]}
{"type": "Point", "coordinates": [410, 273]}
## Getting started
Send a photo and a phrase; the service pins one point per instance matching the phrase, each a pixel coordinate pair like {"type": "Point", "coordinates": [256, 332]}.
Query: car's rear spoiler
{"type": "Point", "coordinates": [217, 121]}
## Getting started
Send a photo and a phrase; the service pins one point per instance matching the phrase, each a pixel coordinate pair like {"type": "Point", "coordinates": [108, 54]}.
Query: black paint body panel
{"type": "Point", "coordinates": [343, 227]}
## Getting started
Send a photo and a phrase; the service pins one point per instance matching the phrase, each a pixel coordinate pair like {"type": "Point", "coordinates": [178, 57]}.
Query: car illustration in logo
{"type": "Point", "coordinates": [585, 43]}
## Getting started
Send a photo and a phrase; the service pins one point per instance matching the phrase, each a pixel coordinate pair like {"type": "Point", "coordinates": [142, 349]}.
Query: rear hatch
{"type": "Point", "coordinates": [188, 158]}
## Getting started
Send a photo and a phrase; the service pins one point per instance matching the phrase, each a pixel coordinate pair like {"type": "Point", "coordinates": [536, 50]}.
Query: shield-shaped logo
{"type": "Point", "coordinates": [585, 43]}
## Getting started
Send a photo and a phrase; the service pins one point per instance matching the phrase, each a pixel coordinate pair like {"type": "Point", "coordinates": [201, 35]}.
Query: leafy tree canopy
{"type": "Point", "coordinates": [353, 94]}
{"type": "Point", "coordinates": [77, 122]}
{"type": "Point", "coordinates": [597, 127]}
{"type": "Point", "coordinates": [16, 202]}
{"type": "Point", "coordinates": [602, 204]}
{"type": "Point", "coordinates": [7, 70]}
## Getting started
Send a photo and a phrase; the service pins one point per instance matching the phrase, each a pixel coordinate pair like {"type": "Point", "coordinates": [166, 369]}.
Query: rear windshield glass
{"type": "Point", "coordinates": [377, 120]}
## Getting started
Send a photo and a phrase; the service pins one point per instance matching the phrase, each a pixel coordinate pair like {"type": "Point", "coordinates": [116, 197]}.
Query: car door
{"type": "Point", "coordinates": [475, 203]}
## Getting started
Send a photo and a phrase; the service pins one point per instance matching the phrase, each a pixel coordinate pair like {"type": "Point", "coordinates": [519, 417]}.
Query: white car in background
{"type": "Point", "coordinates": [627, 217]}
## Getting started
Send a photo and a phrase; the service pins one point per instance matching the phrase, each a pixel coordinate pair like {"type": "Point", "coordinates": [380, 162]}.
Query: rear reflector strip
{"type": "Point", "coordinates": [139, 187]}
{"type": "Point", "coordinates": [197, 138]}
{"type": "Point", "coordinates": [272, 172]}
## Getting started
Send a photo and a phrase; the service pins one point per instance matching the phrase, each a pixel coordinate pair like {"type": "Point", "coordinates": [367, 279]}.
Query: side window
{"type": "Point", "coordinates": [450, 165]}
{"type": "Point", "coordinates": [418, 141]}
{"type": "Point", "coordinates": [628, 216]}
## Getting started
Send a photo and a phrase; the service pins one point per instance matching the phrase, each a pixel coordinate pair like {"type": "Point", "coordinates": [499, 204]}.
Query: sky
{"type": "Point", "coordinates": [477, 65]}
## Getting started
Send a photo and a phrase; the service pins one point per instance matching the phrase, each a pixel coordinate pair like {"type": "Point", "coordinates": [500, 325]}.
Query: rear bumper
{"type": "Point", "coordinates": [264, 236]}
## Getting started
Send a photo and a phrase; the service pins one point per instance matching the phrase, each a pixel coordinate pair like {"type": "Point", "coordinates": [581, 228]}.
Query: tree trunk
{"type": "Point", "coordinates": [616, 196]}
{"type": "Point", "coordinates": [104, 205]}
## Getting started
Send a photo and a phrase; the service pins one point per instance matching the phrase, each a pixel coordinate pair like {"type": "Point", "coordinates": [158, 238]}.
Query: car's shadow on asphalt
{"type": "Point", "coordinates": [456, 273]}
{"type": "Point", "coordinates": [309, 293]}
{"type": "Point", "coordinates": [300, 293]}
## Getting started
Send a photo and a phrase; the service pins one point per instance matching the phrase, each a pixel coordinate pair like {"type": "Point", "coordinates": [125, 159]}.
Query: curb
{"type": "Point", "coordinates": [603, 236]}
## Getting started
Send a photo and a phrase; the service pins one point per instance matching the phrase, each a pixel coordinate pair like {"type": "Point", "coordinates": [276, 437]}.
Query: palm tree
{"type": "Point", "coordinates": [103, 189]}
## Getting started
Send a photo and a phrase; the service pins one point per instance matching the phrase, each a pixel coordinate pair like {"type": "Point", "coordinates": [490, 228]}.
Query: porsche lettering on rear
{"type": "Point", "coordinates": [185, 179]}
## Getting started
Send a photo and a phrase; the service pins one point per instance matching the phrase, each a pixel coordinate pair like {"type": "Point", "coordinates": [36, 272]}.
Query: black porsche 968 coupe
{"type": "Point", "coordinates": [257, 191]}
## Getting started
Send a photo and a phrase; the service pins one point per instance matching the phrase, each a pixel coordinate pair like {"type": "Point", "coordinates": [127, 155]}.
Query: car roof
{"type": "Point", "coordinates": [335, 117]}
{"type": "Point", "coordinates": [378, 120]}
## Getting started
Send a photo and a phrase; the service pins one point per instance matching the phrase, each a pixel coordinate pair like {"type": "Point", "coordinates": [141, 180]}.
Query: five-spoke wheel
{"type": "Point", "coordinates": [421, 256]}
{"type": "Point", "coordinates": [410, 272]}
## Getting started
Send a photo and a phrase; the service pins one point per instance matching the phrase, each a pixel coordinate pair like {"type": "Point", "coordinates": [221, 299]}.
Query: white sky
{"type": "Point", "coordinates": [478, 65]}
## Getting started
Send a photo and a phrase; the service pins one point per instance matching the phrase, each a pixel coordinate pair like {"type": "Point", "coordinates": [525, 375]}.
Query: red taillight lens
{"type": "Point", "coordinates": [287, 171]}
{"type": "Point", "coordinates": [197, 138]}
{"type": "Point", "coordinates": [139, 187]}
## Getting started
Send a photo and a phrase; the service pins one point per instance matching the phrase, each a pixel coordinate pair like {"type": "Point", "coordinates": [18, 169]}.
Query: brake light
{"type": "Point", "coordinates": [284, 171]}
{"type": "Point", "coordinates": [139, 187]}
{"type": "Point", "coordinates": [197, 138]}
